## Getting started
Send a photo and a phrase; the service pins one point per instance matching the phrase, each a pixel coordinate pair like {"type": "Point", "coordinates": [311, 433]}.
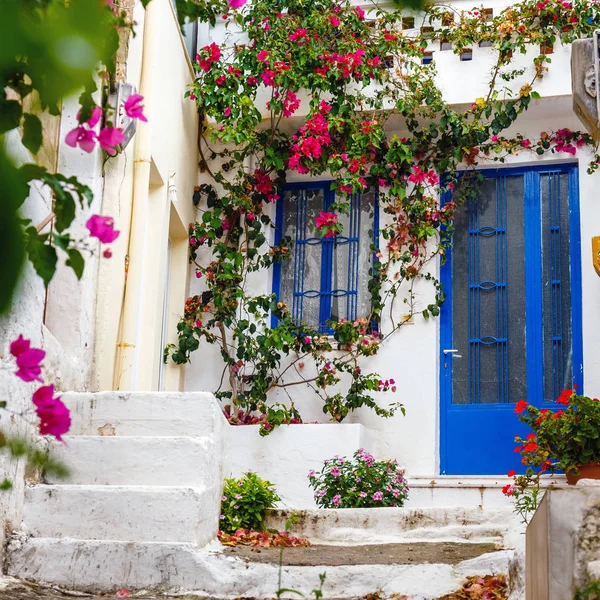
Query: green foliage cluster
{"type": "Point", "coordinates": [560, 441]}
{"type": "Point", "coordinates": [359, 76]}
{"type": "Point", "coordinates": [245, 502]}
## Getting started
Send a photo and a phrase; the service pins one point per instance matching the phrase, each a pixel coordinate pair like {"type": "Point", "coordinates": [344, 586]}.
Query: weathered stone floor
{"type": "Point", "coordinates": [449, 553]}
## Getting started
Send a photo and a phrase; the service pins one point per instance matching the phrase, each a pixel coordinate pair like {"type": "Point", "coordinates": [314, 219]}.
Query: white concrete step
{"type": "Point", "coordinates": [158, 461]}
{"type": "Point", "coordinates": [354, 526]}
{"type": "Point", "coordinates": [144, 413]}
{"type": "Point", "coordinates": [104, 566]}
{"type": "Point", "coordinates": [124, 513]}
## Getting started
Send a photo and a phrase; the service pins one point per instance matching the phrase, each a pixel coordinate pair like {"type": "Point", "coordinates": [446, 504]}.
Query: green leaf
{"type": "Point", "coordinates": [32, 133]}
{"type": "Point", "coordinates": [10, 114]}
{"type": "Point", "coordinates": [64, 208]}
{"type": "Point", "coordinates": [75, 261]}
{"type": "Point", "coordinates": [12, 243]}
{"type": "Point", "coordinates": [6, 485]}
{"type": "Point", "coordinates": [42, 256]}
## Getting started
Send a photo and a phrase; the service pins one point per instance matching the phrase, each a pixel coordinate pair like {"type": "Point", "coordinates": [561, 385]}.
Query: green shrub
{"type": "Point", "coordinates": [245, 502]}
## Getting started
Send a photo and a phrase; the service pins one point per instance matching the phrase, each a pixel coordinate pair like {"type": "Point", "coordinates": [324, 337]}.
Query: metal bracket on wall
{"type": "Point", "coordinates": [120, 118]}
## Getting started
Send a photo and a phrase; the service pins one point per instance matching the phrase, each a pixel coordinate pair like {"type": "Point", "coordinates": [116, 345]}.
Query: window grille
{"type": "Point", "coordinates": [325, 279]}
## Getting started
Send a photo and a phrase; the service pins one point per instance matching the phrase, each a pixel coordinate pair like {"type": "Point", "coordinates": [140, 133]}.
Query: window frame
{"type": "Point", "coordinates": [327, 246]}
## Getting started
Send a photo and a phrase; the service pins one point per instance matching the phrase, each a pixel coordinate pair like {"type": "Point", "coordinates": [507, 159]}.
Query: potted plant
{"type": "Point", "coordinates": [566, 440]}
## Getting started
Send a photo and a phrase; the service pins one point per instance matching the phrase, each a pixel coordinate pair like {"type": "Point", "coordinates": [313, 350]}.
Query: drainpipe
{"type": "Point", "coordinates": [128, 346]}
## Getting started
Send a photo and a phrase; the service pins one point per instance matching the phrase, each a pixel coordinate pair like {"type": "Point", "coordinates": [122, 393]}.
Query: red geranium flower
{"type": "Point", "coordinates": [521, 406]}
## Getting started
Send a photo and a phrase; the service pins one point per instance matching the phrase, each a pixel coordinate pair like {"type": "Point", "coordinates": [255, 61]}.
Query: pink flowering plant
{"type": "Point", "coordinates": [245, 502]}
{"type": "Point", "coordinates": [52, 417]}
{"type": "Point", "coordinates": [315, 90]}
{"type": "Point", "coordinates": [360, 482]}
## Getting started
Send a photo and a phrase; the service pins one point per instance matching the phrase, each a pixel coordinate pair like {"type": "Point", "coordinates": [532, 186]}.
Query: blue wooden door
{"type": "Point", "coordinates": [511, 324]}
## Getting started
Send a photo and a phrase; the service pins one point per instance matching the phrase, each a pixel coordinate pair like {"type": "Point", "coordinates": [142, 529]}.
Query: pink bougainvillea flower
{"type": "Point", "coordinates": [268, 77]}
{"type": "Point", "coordinates": [263, 56]}
{"type": "Point", "coordinates": [237, 3]}
{"type": "Point", "coordinates": [360, 12]}
{"type": "Point", "coordinates": [525, 143]}
{"type": "Point", "coordinates": [290, 104]}
{"type": "Point", "coordinates": [327, 220]}
{"type": "Point", "coordinates": [227, 112]}
{"type": "Point", "coordinates": [55, 418]}
{"type": "Point", "coordinates": [102, 228]}
{"type": "Point", "coordinates": [207, 56]}
{"type": "Point", "coordinates": [28, 359]}
{"type": "Point", "coordinates": [511, 473]}
{"type": "Point", "coordinates": [82, 137]}
{"type": "Point", "coordinates": [221, 80]}
{"type": "Point", "coordinates": [96, 116]}
{"type": "Point", "coordinates": [134, 108]}
{"type": "Point", "coordinates": [334, 20]}
{"type": "Point", "coordinates": [109, 138]}
{"type": "Point", "coordinates": [107, 253]}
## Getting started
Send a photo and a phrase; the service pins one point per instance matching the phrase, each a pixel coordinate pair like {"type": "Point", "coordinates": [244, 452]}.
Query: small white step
{"type": "Point", "coordinates": [144, 413]}
{"type": "Point", "coordinates": [100, 567]}
{"type": "Point", "coordinates": [354, 526]}
{"type": "Point", "coordinates": [157, 461]}
{"type": "Point", "coordinates": [125, 513]}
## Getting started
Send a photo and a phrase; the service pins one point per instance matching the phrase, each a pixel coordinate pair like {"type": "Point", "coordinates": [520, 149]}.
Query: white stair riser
{"type": "Point", "coordinates": [132, 514]}
{"type": "Point", "coordinates": [385, 525]}
{"type": "Point", "coordinates": [440, 496]}
{"type": "Point", "coordinates": [106, 566]}
{"type": "Point", "coordinates": [144, 413]}
{"type": "Point", "coordinates": [177, 461]}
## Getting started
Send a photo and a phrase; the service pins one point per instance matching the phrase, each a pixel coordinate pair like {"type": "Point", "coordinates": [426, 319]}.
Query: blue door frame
{"type": "Point", "coordinates": [478, 438]}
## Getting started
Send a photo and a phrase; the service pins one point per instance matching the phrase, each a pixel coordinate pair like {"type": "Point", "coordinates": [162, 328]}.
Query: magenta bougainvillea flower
{"type": "Point", "coordinates": [109, 138]}
{"type": "Point", "coordinates": [102, 228]}
{"type": "Point", "coordinates": [237, 3]}
{"type": "Point", "coordinates": [28, 359]}
{"type": "Point", "coordinates": [134, 108]}
{"type": "Point", "coordinates": [55, 418]}
{"type": "Point", "coordinates": [327, 222]}
{"type": "Point", "coordinates": [95, 118]}
{"type": "Point", "coordinates": [82, 137]}
{"type": "Point", "coordinates": [207, 56]}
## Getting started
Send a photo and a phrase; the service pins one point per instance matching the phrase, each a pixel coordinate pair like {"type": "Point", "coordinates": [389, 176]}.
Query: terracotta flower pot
{"type": "Point", "coordinates": [589, 471]}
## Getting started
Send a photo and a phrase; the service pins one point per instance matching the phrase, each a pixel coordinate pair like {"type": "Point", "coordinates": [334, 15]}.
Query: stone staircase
{"type": "Point", "coordinates": [141, 507]}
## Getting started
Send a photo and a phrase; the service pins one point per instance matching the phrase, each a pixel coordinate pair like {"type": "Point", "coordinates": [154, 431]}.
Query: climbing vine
{"type": "Point", "coordinates": [355, 77]}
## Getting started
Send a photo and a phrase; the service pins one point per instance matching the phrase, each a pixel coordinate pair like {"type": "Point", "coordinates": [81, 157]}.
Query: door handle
{"type": "Point", "coordinates": [452, 351]}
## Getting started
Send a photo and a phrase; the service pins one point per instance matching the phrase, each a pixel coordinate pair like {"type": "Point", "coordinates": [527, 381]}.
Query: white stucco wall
{"type": "Point", "coordinates": [41, 316]}
{"type": "Point", "coordinates": [173, 124]}
{"type": "Point", "coordinates": [411, 356]}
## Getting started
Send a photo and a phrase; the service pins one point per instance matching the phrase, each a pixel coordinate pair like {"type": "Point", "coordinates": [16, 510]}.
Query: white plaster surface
{"type": "Point", "coordinates": [111, 565]}
{"type": "Point", "coordinates": [563, 540]}
{"type": "Point", "coordinates": [285, 456]}
{"type": "Point", "coordinates": [145, 413]}
{"type": "Point", "coordinates": [125, 513]}
{"type": "Point", "coordinates": [153, 461]}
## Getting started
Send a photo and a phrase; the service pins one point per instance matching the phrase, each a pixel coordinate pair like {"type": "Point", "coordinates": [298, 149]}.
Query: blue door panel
{"type": "Point", "coordinates": [511, 323]}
